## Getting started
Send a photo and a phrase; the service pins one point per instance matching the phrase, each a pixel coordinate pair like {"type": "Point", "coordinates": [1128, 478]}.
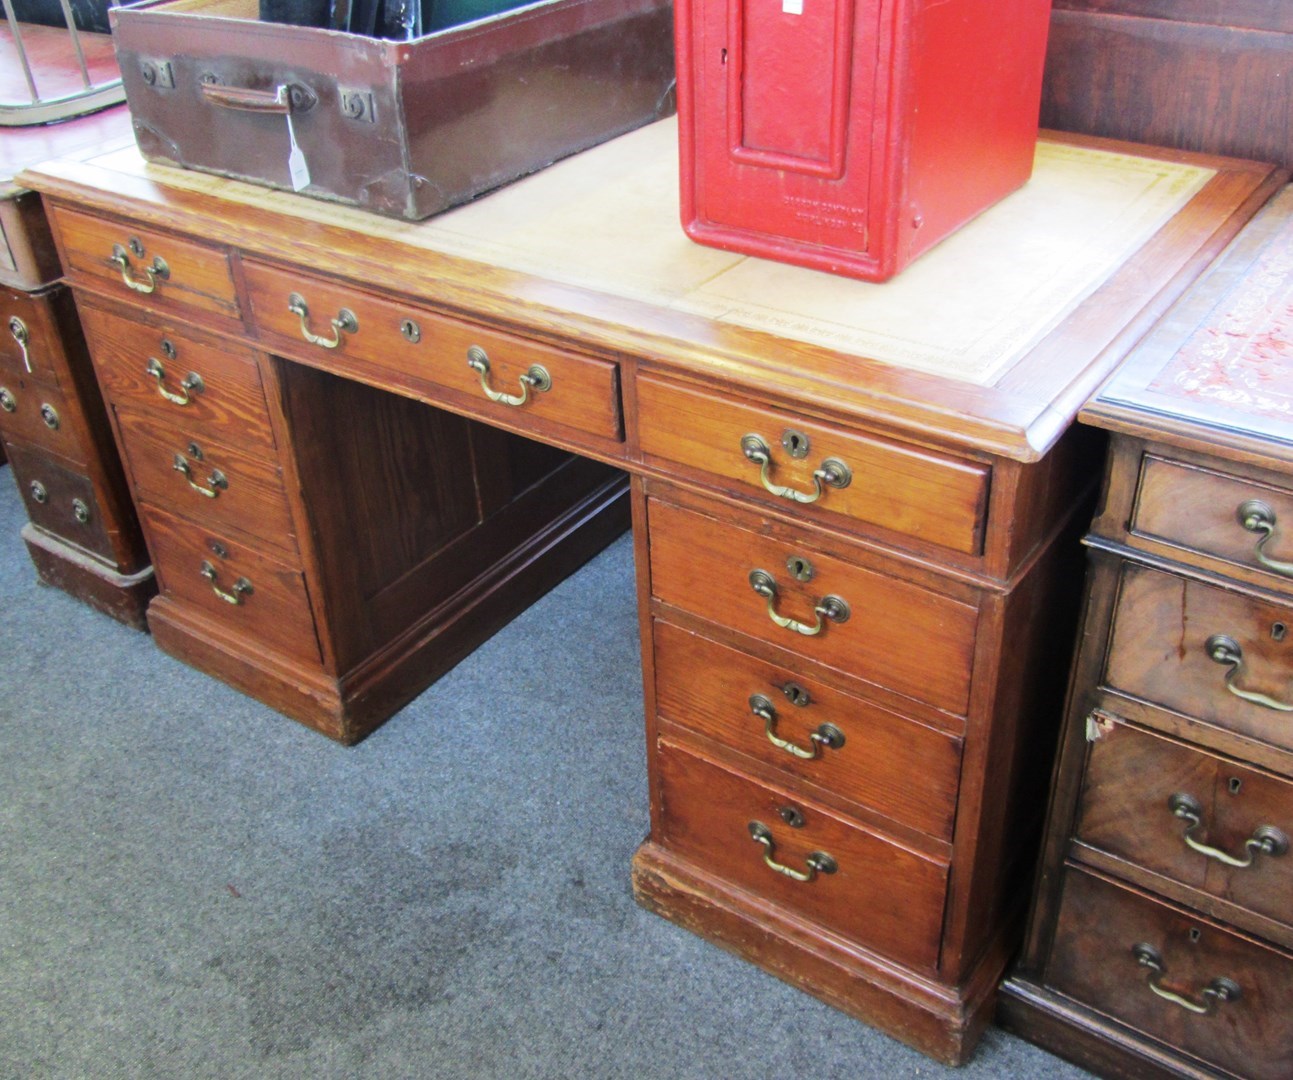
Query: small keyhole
{"type": "Point", "coordinates": [1279, 630]}
{"type": "Point", "coordinates": [195, 451]}
{"type": "Point", "coordinates": [796, 695]}
{"type": "Point", "coordinates": [1234, 785]}
{"type": "Point", "coordinates": [723, 57]}
{"type": "Point", "coordinates": [168, 349]}
{"type": "Point", "coordinates": [1195, 934]}
{"type": "Point", "coordinates": [800, 568]}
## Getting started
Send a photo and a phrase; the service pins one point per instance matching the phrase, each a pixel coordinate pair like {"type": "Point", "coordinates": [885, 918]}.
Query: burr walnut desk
{"type": "Point", "coordinates": [855, 506]}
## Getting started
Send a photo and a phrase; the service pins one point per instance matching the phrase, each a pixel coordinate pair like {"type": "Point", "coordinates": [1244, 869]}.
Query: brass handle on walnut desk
{"type": "Point", "coordinates": [1217, 992]}
{"type": "Point", "coordinates": [218, 481]}
{"type": "Point", "coordinates": [18, 329]}
{"type": "Point", "coordinates": [1266, 839]}
{"type": "Point", "coordinates": [159, 270]}
{"type": "Point", "coordinates": [832, 472]}
{"type": "Point", "coordinates": [828, 608]}
{"type": "Point", "coordinates": [1225, 650]}
{"type": "Point", "coordinates": [827, 735]}
{"type": "Point", "coordinates": [344, 323]}
{"type": "Point", "coordinates": [191, 383]}
{"type": "Point", "coordinates": [537, 379]}
{"type": "Point", "coordinates": [818, 862]}
{"type": "Point", "coordinates": [1256, 516]}
{"type": "Point", "coordinates": [241, 587]}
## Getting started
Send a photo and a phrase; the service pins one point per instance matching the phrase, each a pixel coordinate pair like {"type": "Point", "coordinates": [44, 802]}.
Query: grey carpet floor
{"type": "Point", "coordinates": [193, 886]}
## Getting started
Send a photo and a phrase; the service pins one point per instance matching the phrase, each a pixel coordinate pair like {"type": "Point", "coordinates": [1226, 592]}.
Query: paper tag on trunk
{"type": "Point", "coordinates": [297, 169]}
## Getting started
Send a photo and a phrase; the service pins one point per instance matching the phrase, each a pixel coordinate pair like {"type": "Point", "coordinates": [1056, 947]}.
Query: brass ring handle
{"type": "Point", "coordinates": [1217, 992]}
{"type": "Point", "coordinates": [191, 383]}
{"type": "Point", "coordinates": [241, 587]}
{"type": "Point", "coordinates": [537, 379]}
{"type": "Point", "coordinates": [18, 329]}
{"type": "Point", "coordinates": [818, 862]}
{"type": "Point", "coordinates": [1257, 517]}
{"type": "Point", "coordinates": [1266, 839]}
{"type": "Point", "coordinates": [159, 270]}
{"type": "Point", "coordinates": [218, 481]}
{"type": "Point", "coordinates": [1225, 650]}
{"type": "Point", "coordinates": [832, 472]}
{"type": "Point", "coordinates": [344, 323]}
{"type": "Point", "coordinates": [826, 735]}
{"type": "Point", "coordinates": [827, 609]}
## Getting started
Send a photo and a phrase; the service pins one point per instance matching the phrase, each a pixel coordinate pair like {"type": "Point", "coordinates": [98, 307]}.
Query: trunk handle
{"type": "Point", "coordinates": [284, 99]}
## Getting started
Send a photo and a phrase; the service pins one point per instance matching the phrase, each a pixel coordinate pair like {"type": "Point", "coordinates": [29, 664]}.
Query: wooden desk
{"type": "Point", "coordinates": [854, 505]}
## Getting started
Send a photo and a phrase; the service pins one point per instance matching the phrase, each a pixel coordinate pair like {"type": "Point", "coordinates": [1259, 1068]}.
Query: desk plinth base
{"type": "Point", "coordinates": [124, 597]}
{"type": "Point", "coordinates": [349, 707]}
{"type": "Point", "coordinates": [942, 1021]}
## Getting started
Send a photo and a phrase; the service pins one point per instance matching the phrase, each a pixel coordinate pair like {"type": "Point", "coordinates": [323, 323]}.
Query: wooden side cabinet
{"type": "Point", "coordinates": [1161, 937]}
{"type": "Point", "coordinates": [82, 534]}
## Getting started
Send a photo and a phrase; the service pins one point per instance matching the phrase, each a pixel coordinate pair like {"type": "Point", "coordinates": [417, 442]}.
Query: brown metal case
{"type": "Point", "coordinates": [406, 128]}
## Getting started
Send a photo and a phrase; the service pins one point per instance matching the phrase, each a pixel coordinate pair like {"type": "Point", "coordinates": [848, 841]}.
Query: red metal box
{"type": "Point", "coordinates": [852, 135]}
{"type": "Point", "coordinates": [407, 128]}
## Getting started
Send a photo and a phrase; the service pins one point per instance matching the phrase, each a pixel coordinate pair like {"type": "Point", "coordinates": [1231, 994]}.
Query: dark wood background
{"type": "Point", "coordinates": [1212, 75]}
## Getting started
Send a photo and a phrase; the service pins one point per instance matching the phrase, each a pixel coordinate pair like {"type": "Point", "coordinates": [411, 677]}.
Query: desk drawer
{"type": "Point", "coordinates": [42, 416]}
{"type": "Point", "coordinates": [246, 591]}
{"type": "Point", "coordinates": [32, 326]}
{"type": "Point", "coordinates": [881, 895]}
{"type": "Point", "coordinates": [208, 481]}
{"type": "Point", "coordinates": [932, 497]}
{"type": "Point", "coordinates": [142, 265]}
{"type": "Point", "coordinates": [1145, 799]}
{"type": "Point", "coordinates": [356, 331]}
{"type": "Point", "coordinates": [894, 634]}
{"type": "Point", "coordinates": [1222, 656]}
{"type": "Point", "coordinates": [1226, 517]}
{"type": "Point", "coordinates": [863, 753]}
{"type": "Point", "coordinates": [212, 388]}
{"type": "Point", "coordinates": [1096, 960]}
{"type": "Point", "coordinates": [61, 501]}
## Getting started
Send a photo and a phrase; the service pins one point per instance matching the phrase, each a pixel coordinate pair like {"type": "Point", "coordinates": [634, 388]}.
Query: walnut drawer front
{"type": "Point", "coordinates": [1231, 518]}
{"type": "Point", "coordinates": [1190, 816]}
{"type": "Point", "coordinates": [42, 416]}
{"type": "Point", "coordinates": [899, 768]}
{"type": "Point", "coordinates": [60, 501]}
{"type": "Point", "coordinates": [142, 265]}
{"type": "Point", "coordinates": [31, 338]}
{"type": "Point", "coordinates": [521, 380]}
{"type": "Point", "coordinates": [879, 894]}
{"type": "Point", "coordinates": [1122, 953]}
{"type": "Point", "coordinates": [246, 591]}
{"type": "Point", "coordinates": [212, 482]}
{"type": "Point", "coordinates": [210, 387]}
{"type": "Point", "coordinates": [1221, 656]}
{"type": "Point", "coordinates": [774, 456]}
{"type": "Point", "coordinates": [894, 634]}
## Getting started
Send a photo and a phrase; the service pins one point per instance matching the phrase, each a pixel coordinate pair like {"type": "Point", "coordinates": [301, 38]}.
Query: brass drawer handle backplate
{"type": "Point", "coordinates": [826, 735]}
{"type": "Point", "coordinates": [1225, 650]}
{"type": "Point", "coordinates": [157, 271]}
{"type": "Point", "coordinates": [191, 383]}
{"type": "Point", "coordinates": [536, 379]}
{"type": "Point", "coordinates": [1257, 517]}
{"type": "Point", "coordinates": [241, 587]}
{"type": "Point", "coordinates": [18, 329]}
{"type": "Point", "coordinates": [818, 862]}
{"type": "Point", "coordinates": [1217, 992]}
{"type": "Point", "coordinates": [832, 472]}
{"type": "Point", "coordinates": [828, 608]}
{"type": "Point", "coordinates": [1266, 839]}
{"type": "Point", "coordinates": [344, 323]}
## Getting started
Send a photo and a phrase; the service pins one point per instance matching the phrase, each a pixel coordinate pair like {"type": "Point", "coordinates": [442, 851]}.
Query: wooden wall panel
{"type": "Point", "coordinates": [1212, 75]}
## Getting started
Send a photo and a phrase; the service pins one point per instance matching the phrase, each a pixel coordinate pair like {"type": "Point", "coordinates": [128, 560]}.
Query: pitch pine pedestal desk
{"type": "Point", "coordinates": [855, 507]}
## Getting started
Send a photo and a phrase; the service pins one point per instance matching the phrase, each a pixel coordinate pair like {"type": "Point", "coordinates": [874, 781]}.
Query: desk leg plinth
{"type": "Point", "coordinates": [944, 1022]}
